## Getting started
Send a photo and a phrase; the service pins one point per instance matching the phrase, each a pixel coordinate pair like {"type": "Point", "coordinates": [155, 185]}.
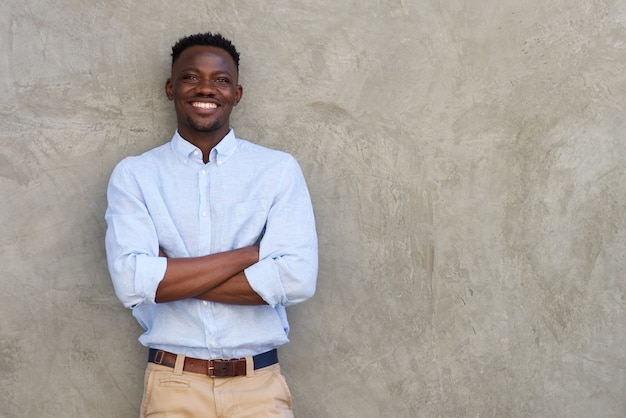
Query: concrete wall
{"type": "Point", "coordinates": [466, 160]}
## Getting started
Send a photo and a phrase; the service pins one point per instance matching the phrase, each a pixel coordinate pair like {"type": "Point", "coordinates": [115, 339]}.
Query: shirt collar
{"type": "Point", "coordinates": [186, 151]}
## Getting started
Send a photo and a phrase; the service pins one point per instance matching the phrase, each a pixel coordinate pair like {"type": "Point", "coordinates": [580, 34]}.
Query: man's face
{"type": "Point", "coordinates": [204, 89]}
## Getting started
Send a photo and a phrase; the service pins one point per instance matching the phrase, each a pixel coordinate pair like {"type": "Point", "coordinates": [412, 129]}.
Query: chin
{"type": "Point", "coordinates": [203, 127]}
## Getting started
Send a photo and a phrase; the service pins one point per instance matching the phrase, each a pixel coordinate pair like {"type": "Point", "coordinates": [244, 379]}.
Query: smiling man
{"type": "Point", "coordinates": [209, 238]}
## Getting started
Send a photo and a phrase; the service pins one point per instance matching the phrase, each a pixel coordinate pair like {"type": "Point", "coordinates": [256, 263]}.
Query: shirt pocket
{"type": "Point", "coordinates": [244, 223]}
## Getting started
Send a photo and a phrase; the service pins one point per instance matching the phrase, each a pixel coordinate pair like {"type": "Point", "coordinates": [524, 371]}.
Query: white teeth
{"type": "Point", "coordinates": [205, 105]}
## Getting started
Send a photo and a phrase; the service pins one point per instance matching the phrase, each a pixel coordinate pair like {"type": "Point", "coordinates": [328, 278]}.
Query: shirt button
{"type": "Point", "coordinates": [203, 171]}
{"type": "Point", "coordinates": [219, 163]}
{"type": "Point", "coordinates": [204, 214]}
{"type": "Point", "coordinates": [195, 152]}
{"type": "Point", "coordinates": [213, 343]}
{"type": "Point", "coordinates": [205, 303]}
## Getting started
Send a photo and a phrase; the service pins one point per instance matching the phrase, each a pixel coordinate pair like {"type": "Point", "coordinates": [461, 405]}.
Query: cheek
{"type": "Point", "coordinates": [180, 91]}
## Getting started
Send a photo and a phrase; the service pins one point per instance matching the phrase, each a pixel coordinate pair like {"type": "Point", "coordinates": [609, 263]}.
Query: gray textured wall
{"type": "Point", "coordinates": [466, 161]}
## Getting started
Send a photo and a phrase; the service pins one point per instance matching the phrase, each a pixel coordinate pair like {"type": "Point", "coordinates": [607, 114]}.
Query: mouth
{"type": "Point", "coordinates": [204, 105]}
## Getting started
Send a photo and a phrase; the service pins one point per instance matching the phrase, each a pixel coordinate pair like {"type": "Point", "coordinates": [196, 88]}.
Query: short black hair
{"type": "Point", "coordinates": [205, 39]}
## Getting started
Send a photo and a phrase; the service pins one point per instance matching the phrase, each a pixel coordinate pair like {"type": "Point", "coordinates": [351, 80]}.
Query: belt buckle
{"type": "Point", "coordinates": [158, 357]}
{"type": "Point", "coordinates": [220, 368]}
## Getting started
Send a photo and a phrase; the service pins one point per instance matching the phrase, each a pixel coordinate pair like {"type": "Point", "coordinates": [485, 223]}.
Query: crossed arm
{"type": "Point", "coordinates": [215, 277]}
{"type": "Point", "coordinates": [284, 273]}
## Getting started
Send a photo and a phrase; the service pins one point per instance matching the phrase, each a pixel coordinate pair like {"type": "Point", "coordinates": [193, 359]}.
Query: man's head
{"type": "Point", "coordinates": [204, 86]}
{"type": "Point", "coordinates": [205, 39]}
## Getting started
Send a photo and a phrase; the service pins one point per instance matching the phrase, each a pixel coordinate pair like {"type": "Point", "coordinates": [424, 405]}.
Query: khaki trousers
{"type": "Point", "coordinates": [173, 393]}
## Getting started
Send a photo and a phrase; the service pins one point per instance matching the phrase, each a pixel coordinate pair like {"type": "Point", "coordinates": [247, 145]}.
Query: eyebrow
{"type": "Point", "coordinates": [197, 70]}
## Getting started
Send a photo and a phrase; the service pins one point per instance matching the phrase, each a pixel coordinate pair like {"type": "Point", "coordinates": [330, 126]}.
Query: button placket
{"type": "Point", "coordinates": [204, 214]}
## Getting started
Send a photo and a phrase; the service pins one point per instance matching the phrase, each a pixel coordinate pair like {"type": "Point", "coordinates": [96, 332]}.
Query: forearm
{"type": "Point", "coordinates": [190, 277]}
{"type": "Point", "coordinates": [234, 291]}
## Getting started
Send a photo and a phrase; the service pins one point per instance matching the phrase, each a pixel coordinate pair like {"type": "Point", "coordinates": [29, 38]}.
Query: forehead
{"type": "Point", "coordinates": [208, 58]}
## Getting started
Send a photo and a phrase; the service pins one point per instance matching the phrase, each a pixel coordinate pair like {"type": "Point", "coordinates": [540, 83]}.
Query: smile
{"type": "Point", "coordinates": [203, 105]}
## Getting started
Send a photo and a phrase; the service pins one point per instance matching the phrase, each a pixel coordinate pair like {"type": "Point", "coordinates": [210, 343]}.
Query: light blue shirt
{"type": "Point", "coordinates": [246, 194]}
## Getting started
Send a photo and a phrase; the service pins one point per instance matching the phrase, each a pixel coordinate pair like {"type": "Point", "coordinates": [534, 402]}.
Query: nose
{"type": "Point", "coordinates": [205, 85]}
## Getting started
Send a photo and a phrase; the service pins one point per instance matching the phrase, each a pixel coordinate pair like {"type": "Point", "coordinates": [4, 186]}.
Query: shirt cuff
{"type": "Point", "coordinates": [148, 274]}
{"type": "Point", "coordinates": [260, 276]}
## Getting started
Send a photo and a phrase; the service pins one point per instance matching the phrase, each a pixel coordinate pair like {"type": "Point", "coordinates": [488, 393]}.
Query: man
{"type": "Point", "coordinates": [209, 238]}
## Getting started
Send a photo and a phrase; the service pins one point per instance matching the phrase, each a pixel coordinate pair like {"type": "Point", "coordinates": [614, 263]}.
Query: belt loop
{"type": "Point", "coordinates": [180, 363]}
{"type": "Point", "coordinates": [249, 367]}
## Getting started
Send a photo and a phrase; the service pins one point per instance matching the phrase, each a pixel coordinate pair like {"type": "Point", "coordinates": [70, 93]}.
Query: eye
{"type": "Point", "coordinates": [190, 78]}
{"type": "Point", "coordinates": [222, 80]}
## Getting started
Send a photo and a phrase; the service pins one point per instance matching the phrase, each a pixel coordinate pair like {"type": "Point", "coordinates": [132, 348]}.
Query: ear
{"type": "Point", "coordinates": [169, 89]}
{"type": "Point", "coordinates": [238, 94]}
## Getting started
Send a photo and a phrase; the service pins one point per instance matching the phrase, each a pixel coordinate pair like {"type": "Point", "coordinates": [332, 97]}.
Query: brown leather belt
{"type": "Point", "coordinates": [214, 368]}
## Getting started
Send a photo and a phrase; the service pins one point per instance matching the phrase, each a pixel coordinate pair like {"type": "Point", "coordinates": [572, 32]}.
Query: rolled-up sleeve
{"type": "Point", "coordinates": [286, 273]}
{"type": "Point", "coordinates": [132, 245]}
